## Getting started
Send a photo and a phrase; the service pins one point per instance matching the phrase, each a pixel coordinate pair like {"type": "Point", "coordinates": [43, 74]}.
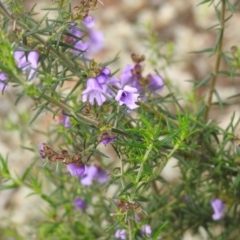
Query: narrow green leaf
{"type": "Point", "coordinates": [25, 174]}
{"type": "Point", "coordinates": [130, 185]}
{"type": "Point", "coordinates": [218, 98]}
{"type": "Point", "coordinates": [205, 50]}
{"type": "Point", "coordinates": [205, 1]}
{"type": "Point", "coordinates": [6, 187]}
{"type": "Point", "coordinates": [230, 6]}
{"type": "Point", "coordinates": [4, 164]}
{"type": "Point", "coordinates": [38, 112]}
{"type": "Point", "coordinates": [141, 199]}
{"type": "Point", "coordinates": [204, 81]}
{"type": "Point", "coordinates": [160, 229]}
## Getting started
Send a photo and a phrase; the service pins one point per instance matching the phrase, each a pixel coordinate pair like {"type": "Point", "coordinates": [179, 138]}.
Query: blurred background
{"type": "Point", "coordinates": [175, 28]}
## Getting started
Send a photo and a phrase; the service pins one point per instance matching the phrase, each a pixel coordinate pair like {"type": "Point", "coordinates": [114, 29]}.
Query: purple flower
{"type": "Point", "coordinates": [128, 78]}
{"type": "Point", "coordinates": [107, 137]}
{"type": "Point", "coordinates": [93, 173]}
{"type": "Point", "coordinates": [128, 96]}
{"type": "Point", "coordinates": [64, 120]}
{"type": "Point", "coordinates": [146, 230]}
{"type": "Point", "coordinates": [105, 80]}
{"type": "Point", "coordinates": [67, 123]}
{"type": "Point", "coordinates": [75, 169]}
{"type": "Point", "coordinates": [41, 151]}
{"type": "Point", "coordinates": [102, 176]}
{"type": "Point", "coordinates": [27, 62]}
{"type": "Point", "coordinates": [81, 46]}
{"type": "Point", "coordinates": [96, 40]}
{"type": "Point", "coordinates": [98, 87]}
{"type": "Point", "coordinates": [79, 204]}
{"type": "Point", "coordinates": [92, 44]}
{"type": "Point", "coordinates": [155, 82]}
{"type": "Point", "coordinates": [75, 30]}
{"type": "Point", "coordinates": [218, 208]}
{"type": "Point", "coordinates": [106, 141]}
{"type": "Point", "coordinates": [93, 91]}
{"type": "Point", "coordinates": [121, 234]}
{"type": "Point", "coordinates": [102, 78]}
{"type": "Point", "coordinates": [3, 83]}
{"type": "Point", "coordinates": [88, 22]}
{"type": "Point", "coordinates": [106, 71]}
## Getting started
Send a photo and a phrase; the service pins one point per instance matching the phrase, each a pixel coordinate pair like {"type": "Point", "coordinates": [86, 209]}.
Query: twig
{"type": "Point", "coordinates": [217, 64]}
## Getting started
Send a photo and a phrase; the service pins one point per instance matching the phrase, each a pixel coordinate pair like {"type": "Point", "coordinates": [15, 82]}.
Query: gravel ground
{"type": "Point", "coordinates": [124, 26]}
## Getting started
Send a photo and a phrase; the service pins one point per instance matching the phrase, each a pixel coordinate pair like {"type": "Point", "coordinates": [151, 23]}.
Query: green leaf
{"type": "Point", "coordinates": [230, 6]}
{"type": "Point", "coordinates": [203, 82]}
{"type": "Point", "coordinates": [205, 1]}
{"type": "Point", "coordinates": [130, 185]}
{"type": "Point", "coordinates": [160, 229]}
{"type": "Point", "coordinates": [38, 112]}
{"type": "Point", "coordinates": [100, 153]}
{"type": "Point", "coordinates": [141, 199]}
{"type": "Point", "coordinates": [25, 174]}
{"type": "Point", "coordinates": [4, 164]}
{"type": "Point", "coordinates": [218, 98]}
{"type": "Point", "coordinates": [205, 50]}
{"type": "Point", "coordinates": [129, 144]}
{"type": "Point", "coordinates": [6, 187]}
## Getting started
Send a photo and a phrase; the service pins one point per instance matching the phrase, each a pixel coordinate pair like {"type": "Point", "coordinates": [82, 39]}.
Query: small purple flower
{"type": "Point", "coordinates": [93, 91]}
{"type": "Point", "coordinates": [155, 82]}
{"type": "Point", "coordinates": [41, 151]}
{"type": "Point", "coordinates": [3, 83]}
{"type": "Point", "coordinates": [106, 141]}
{"type": "Point", "coordinates": [105, 80]}
{"type": "Point", "coordinates": [64, 120]}
{"type": "Point", "coordinates": [128, 96]}
{"type": "Point", "coordinates": [99, 87]}
{"type": "Point", "coordinates": [107, 137]}
{"type": "Point", "coordinates": [93, 173]}
{"type": "Point", "coordinates": [218, 208]}
{"type": "Point", "coordinates": [67, 123]}
{"type": "Point", "coordinates": [96, 40]}
{"type": "Point", "coordinates": [75, 169]}
{"type": "Point", "coordinates": [88, 22]}
{"type": "Point", "coordinates": [90, 45]}
{"type": "Point", "coordinates": [102, 78]}
{"type": "Point", "coordinates": [89, 175]}
{"type": "Point", "coordinates": [75, 30]}
{"type": "Point", "coordinates": [102, 176]}
{"type": "Point", "coordinates": [128, 78]}
{"type": "Point", "coordinates": [146, 230]}
{"type": "Point", "coordinates": [121, 234]}
{"type": "Point", "coordinates": [81, 46]}
{"type": "Point", "coordinates": [106, 71]}
{"type": "Point", "coordinates": [79, 204]}
{"type": "Point", "coordinates": [27, 62]}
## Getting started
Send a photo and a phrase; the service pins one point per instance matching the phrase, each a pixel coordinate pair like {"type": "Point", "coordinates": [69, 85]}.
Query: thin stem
{"type": "Point", "coordinates": [217, 64]}
{"type": "Point", "coordinates": [122, 171]}
{"type": "Point", "coordinates": [159, 169]}
{"type": "Point", "coordinates": [5, 11]}
{"type": "Point", "coordinates": [63, 106]}
{"type": "Point", "coordinates": [70, 111]}
{"type": "Point", "coordinates": [130, 229]}
{"type": "Point", "coordinates": [140, 170]}
{"type": "Point", "coordinates": [171, 92]}
{"type": "Point", "coordinates": [116, 120]}
{"type": "Point", "coordinates": [130, 221]}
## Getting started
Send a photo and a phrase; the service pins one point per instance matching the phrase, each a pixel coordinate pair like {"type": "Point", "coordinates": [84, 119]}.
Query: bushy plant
{"type": "Point", "coordinates": [99, 169]}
